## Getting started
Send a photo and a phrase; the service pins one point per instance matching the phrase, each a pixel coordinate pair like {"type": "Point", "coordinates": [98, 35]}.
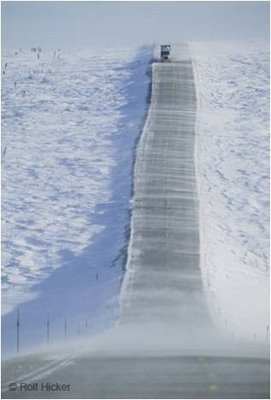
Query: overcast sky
{"type": "Point", "coordinates": [82, 24]}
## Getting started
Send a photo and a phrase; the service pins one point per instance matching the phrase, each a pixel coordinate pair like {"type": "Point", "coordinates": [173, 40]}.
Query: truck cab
{"type": "Point", "coordinates": [165, 52]}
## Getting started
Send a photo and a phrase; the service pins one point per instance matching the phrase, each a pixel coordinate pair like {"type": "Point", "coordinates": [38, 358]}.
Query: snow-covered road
{"type": "Point", "coordinates": [163, 281]}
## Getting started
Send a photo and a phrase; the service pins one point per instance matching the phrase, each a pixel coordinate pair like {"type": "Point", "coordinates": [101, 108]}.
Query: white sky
{"type": "Point", "coordinates": [80, 24]}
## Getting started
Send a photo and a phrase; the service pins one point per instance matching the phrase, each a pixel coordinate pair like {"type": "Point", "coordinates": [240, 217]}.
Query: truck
{"type": "Point", "coordinates": [165, 52]}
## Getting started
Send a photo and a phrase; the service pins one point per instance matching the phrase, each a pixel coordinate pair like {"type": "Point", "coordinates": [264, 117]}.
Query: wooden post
{"type": "Point", "coordinates": [65, 328]}
{"type": "Point", "coordinates": [18, 331]}
{"type": "Point", "coordinates": [48, 328]}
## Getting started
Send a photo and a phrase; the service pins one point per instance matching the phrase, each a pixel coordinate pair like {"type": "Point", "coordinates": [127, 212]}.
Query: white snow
{"type": "Point", "coordinates": [232, 154]}
{"type": "Point", "coordinates": [60, 119]}
{"type": "Point", "coordinates": [58, 155]}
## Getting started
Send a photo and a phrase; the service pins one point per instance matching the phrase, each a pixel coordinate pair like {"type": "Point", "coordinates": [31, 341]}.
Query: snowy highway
{"type": "Point", "coordinates": [144, 377]}
{"type": "Point", "coordinates": [165, 345]}
{"type": "Point", "coordinates": [163, 280]}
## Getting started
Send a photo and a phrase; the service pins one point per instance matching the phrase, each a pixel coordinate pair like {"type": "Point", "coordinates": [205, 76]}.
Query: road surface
{"type": "Point", "coordinates": [163, 283]}
{"type": "Point", "coordinates": [145, 377]}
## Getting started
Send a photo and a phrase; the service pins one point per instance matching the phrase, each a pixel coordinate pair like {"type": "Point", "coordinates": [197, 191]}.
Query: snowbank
{"type": "Point", "coordinates": [232, 156]}
{"type": "Point", "coordinates": [70, 123]}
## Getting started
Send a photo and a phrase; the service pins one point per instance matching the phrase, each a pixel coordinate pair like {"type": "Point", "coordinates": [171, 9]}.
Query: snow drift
{"type": "Point", "coordinates": [232, 155]}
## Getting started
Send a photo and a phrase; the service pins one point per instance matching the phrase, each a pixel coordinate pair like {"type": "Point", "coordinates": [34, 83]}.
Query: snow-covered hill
{"type": "Point", "coordinates": [70, 123]}
{"type": "Point", "coordinates": [233, 180]}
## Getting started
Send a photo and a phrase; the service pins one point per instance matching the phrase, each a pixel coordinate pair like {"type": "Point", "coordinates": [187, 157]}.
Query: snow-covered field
{"type": "Point", "coordinates": [232, 156]}
{"type": "Point", "coordinates": [70, 122]}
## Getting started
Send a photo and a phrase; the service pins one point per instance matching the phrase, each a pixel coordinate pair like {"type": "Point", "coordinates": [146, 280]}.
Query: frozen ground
{"type": "Point", "coordinates": [232, 156]}
{"type": "Point", "coordinates": [70, 122]}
